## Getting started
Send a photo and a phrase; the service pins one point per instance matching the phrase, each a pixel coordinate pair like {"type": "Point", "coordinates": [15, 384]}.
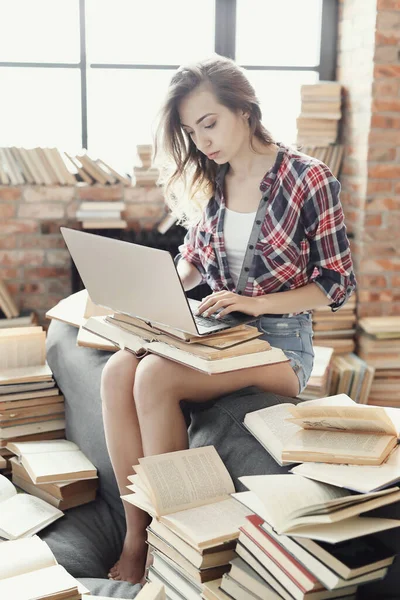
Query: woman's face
{"type": "Point", "coordinates": [217, 132]}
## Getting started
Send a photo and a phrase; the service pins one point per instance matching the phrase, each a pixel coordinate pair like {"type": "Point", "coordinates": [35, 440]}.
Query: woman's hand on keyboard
{"type": "Point", "coordinates": [225, 302]}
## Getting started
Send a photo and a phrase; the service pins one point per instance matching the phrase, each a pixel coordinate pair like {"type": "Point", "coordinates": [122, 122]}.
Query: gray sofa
{"type": "Point", "coordinates": [87, 541]}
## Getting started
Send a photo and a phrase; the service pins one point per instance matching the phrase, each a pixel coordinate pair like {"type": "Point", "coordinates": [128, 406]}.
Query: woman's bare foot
{"type": "Point", "coordinates": [131, 564]}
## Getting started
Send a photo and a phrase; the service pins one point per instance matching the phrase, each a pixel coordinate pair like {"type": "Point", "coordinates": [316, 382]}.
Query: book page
{"type": "Point", "coordinates": [57, 464]}
{"type": "Point", "coordinates": [185, 479]}
{"type": "Point", "coordinates": [271, 428]}
{"type": "Point", "coordinates": [41, 447]}
{"type": "Point", "coordinates": [7, 489]}
{"type": "Point", "coordinates": [343, 418]}
{"type": "Point", "coordinates": [339, 443]}
{"type": "Point", "coordinates": [39, 584]}
{"type": "Point", "coordinates": [220, 520]}
{"type": "Point", "coordinates": [124, 339]}
{"type": "Point", "coordinates": [24, 514]}
{"type": "Point", "coordinates": [23, 556]}
{"type": "Point", "coordinates": [359, 478]}
{"type": "Point", "coordinates": [150, 591]}
{"type": "Point", "coordinates": [346, 530]}
{"type": "Point", "coordinates": [22, 374]}
{"type": "Point", "coordinates": [22, 350]}
{"type": "Point", "coordinates": [291, 494]}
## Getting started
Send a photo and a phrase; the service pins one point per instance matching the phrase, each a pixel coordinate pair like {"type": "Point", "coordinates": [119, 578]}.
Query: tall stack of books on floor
{"type": "Point", "coordinates": [195, 519]}
{"type": "Point", "coordinates": [101, 215]}
{"type": "Point", "coordinates": [320, 113]}
{"type": "Point", "coordinates": [50, 166]}
{"type": "Point", "coordinates": [331, 155]}
{"type": "Point", "coordinates": [378, 343]}
{"type": "Point", "coordinates": [29, 571]}
{"type": "Point", "coordinates": [31, 406]}
{"type": "Point", "coordinates": [145, 175]}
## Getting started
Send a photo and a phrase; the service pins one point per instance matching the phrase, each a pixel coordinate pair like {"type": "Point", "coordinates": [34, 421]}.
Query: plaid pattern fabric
{"type": "Point", "coordinates": [298, 236]}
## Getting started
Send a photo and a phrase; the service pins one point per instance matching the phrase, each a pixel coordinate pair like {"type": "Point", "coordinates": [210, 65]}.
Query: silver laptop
{"type": "Point", "coordinates": [141, 282]}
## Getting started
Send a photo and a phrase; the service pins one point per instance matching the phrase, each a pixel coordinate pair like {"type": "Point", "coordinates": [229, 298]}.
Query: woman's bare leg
{"type": "Point", "coordinates": [160, 385]}
{"type": "Point", "coordinates": [149, 421]}
{"type": "Point", "coordinates": [124, 447]}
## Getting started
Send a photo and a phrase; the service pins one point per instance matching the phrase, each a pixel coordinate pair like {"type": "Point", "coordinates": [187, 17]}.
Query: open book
{"type": "Point", "coordinates": [197, 506]}
{"type": "Point", "coordinates": [53, 461]}
{"type": "Point", "coordinates": [301, 507]}
{"type": "Point", "coordinates": [29, 570]}
{"type": "Point", "coordinates": [329, 430]}
{"type": "Point", "coordinates": [197, 356]}
{"type": "Point", "coordinates": [21, 514]}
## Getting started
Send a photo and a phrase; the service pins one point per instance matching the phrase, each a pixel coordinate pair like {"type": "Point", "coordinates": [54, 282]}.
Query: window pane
{"type": "Point", "coordinates": [39, 31]}
{"type": "Point", "coordinates": [41, 107]}
{"type": "Point", "coordinates": [122, 110]}
{"type": "Point", "coordinates": [279, 95]}
{"type": "Point", "coordinates": [151, 32]}
{"type": "Point", "coordinates": [284, 33]}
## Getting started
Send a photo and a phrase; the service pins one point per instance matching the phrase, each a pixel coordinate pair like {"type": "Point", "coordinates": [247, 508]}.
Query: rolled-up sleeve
{"type": "Point", "coordinates": [323, 219]}
{"type": "Point", "coordinates": [189, 251]}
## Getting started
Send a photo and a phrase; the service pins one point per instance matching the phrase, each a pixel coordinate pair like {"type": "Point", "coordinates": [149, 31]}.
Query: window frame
{"type": "Point", "coordinates": [225, 41]}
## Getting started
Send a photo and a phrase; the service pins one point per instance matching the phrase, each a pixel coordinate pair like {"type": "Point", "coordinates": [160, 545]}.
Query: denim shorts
{"type": "Point", "coordinates": [294, 336]}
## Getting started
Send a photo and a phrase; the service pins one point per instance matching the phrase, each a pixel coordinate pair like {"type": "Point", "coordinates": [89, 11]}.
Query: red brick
{"type": "Point", "coordinates": [141, 211]}
{"type": "Point", "coordinates": [42, 211]}
{"type": "Point", "coordinates": [39, 302]}
{"type": "Point", "coordinates": [60, 286]}
{"type": "Point", "coordinates": [380, 105]}
{"type": "Point", "coordinates": [377, 266]}
{"type": "Point", "coordinates": [94, 192]}
{"type": "Point", "coordinates": [394, 309]}
{"type": "Point", "coordinates": [15, 258]}
{"type": "Point", "coordinates": [372, 281]}
{"type": "Point", "coordinates": [7, 243]}
{"type": "Point", "coordinates": [6, 273]}
{"type": "Point", "coordinates": [374, 220]}
{"type": "Point", "coordinates": [18, 226]}
{"type": "Point", "coordinates": [58, 258]}
{"type": "Point", "coordinates": [382, 250]}
{"type": "Point", "coordinates": [374, 187]}
{"type": "Point", "coordinates": [380, 235]}
{"type": "Point", "coordinates": [383, 203]}
{"type": "Point", "coordinates": [385, 54]}
{"type": "Point", "coordinates": [10, 193]}
{"type": "Point", "coordinates": [386, 71]}
{"type": "Point", "coordinates": [395, 279]}
{"type": "Point", "coordinates": [370, 309]}
{"type": "Point", "coordinates": [381, 154]}
{"type": "Point", "coordinates": [387, 138]}
{"type": "Point", "coordinates": [38, 287]}
{"type": "Point", "coordinates": [388, 4]}
{"type": "Point", "coordinates": [46, 193]}
{"type": "Point", "coordinates": [41, 241]}
{"type": "Point", "coordinates": [397, 188]}
{"type": "Point", "coordinates": [387, 39]}
{"type": "Point", "coordinates": [46, 272]}
{"type": "Point", "coordinates": [384, 171]}
{"type": "Point", "coordinates": [7, 211]}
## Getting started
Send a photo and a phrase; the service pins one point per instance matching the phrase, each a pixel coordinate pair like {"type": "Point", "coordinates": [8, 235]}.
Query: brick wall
{"type": "Point", "coordinates": [369, 68]}
{"type": "Point", "coordinates": [34, 261]}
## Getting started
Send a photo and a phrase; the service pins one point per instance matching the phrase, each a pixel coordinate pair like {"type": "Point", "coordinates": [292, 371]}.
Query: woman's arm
{"type": "Point", "coordinates": [308, 297]}
{"type": "Point", "coordinates": [189, 274]}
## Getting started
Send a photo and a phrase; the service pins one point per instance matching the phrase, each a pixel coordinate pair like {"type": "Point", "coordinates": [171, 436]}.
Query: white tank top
{"type": "Point", "coordinates": [237, 229]}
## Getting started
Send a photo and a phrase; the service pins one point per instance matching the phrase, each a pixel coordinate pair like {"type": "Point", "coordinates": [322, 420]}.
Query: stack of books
{"type": "Point", "coordinates": [378, 342]}
{"type": "Point", "coordinates": [319, 383]}
{"type": "Point", "coordinates": [146, 175]}
{"type": "Point", "coordinates": [7, 304]}
{"type": "Point", "coordinates": [31, 406]}
{"type": "Point", "coordinates": [10, 315]}
{"type": "Point", "coordinates": [151, 591]}
{"type": "Point", "coordinates": [90, 170]}
{"type": "Point", "coordinates": [50, 166]}
{"type": "Point", "coordinates": [351, 375]}
{"type": "Point", "coordinates": [331, 155]}
{"type": "Point", "coordinates": [29, 571]}
{"type": "Point", "coordinates": [320, 113]}
{"type": "Point", "coordinates": [195, 519]}
{"type": "Point", "coordinates": [101, 215]}
{"type": "Point", "coordinates": [336, 329]}
{"type": "Point", "coordinates": [56, 471]}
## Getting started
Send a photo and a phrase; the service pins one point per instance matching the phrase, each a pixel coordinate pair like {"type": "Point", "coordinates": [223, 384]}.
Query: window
{"type": "Point", "coordinates": [92, 73]}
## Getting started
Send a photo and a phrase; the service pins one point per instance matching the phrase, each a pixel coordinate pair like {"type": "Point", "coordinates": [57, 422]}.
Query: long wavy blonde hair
{"type": "Point", "coordinates": [186, 174]}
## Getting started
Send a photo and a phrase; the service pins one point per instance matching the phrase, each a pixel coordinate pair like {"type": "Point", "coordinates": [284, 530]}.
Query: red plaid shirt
{"type": "Point", "coordinates": [298, 236]}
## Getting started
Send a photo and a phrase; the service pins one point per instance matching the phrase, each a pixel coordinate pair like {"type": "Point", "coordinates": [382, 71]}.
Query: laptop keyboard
{"type": "Point", "coordinates": [212, 321]}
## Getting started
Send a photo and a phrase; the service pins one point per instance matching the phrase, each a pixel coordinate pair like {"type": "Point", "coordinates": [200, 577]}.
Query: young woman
{"type": "Point", "coordinates": [266, 232]}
